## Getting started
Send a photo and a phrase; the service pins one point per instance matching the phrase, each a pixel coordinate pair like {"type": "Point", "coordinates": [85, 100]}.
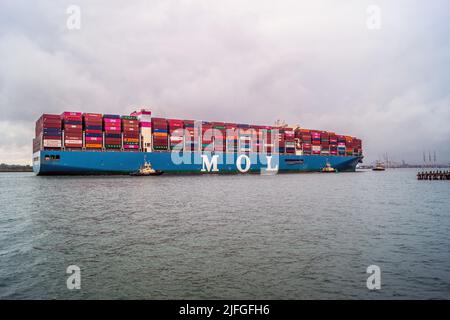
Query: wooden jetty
{"type": "Point", "coordinates": [433, 175]}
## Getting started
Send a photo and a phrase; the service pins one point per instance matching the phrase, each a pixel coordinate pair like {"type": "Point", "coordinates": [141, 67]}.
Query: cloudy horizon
{"type": "Point", "coordinates": [317, 64]}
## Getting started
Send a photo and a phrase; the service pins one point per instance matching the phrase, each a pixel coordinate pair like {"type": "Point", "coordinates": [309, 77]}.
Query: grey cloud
{"type": "Point", "coordinates": [313, 64]}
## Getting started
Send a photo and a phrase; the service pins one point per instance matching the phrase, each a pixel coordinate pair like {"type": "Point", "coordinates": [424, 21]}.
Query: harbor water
{"type": "Point", "coordinates": [287, 236]}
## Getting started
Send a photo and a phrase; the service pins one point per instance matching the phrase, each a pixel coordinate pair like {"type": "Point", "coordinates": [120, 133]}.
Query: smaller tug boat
{"type": "Point", "coordinates": [146, 170]}
{"type": "Point", "coordinates": [328, 168]}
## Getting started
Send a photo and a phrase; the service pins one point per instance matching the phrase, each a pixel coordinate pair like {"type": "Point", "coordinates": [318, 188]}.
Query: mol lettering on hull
{"type": "Point", "coordinates": [243, 163]}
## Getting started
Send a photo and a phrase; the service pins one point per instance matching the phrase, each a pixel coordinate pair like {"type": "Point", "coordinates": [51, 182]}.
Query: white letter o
{"type": "Point", "coordinates": [239, 163]}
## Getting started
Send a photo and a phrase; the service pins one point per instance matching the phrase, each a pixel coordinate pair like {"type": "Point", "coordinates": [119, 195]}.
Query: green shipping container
{"type": "Point", "coordinates": [129, 117]}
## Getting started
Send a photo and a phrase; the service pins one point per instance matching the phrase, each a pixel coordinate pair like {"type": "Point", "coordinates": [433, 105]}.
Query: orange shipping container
{"type": "Point", "coordinates": [94, 145]}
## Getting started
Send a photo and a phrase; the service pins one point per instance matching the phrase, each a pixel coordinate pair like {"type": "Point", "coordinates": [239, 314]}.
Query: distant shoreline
{"type": "Point", "coordinates": [15, 168]}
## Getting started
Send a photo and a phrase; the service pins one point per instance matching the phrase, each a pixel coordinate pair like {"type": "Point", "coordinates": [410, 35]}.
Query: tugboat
{"type": "Point", "coordinates": [146, 170]}
{"type": "Point", "coordinates": [379, 166]}
{"type": "Point", "coordinates": [328, 168]}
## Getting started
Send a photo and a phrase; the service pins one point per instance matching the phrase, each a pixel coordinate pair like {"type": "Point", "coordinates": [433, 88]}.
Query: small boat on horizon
{"type": "Point", "coordinates": [379, 166]}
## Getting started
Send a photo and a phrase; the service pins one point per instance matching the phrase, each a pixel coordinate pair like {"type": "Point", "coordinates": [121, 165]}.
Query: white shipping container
{"type": "Point", "coordinates": [52, 143]}
{"type": "Point", "coordinates": [73, 141]}
{"type": "Point", "coordinates": [316, 148]}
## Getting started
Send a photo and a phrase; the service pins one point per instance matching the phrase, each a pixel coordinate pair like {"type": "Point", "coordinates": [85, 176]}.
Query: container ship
{"type": "Point", "coordinates": [75, 143]}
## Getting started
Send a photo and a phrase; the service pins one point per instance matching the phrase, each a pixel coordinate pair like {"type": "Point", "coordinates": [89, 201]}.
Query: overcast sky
{"type": "Point", "coordinates": [320, 64]}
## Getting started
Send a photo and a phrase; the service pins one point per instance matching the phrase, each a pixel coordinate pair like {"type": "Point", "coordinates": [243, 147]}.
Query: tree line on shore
{"type": "Point", "coordinates": [15, 168]}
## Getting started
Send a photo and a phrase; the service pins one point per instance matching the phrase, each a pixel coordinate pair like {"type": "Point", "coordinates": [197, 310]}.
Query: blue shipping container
{"type": "Point", "coordinates": [113, 135]}
{"type": "Point", "coordinates": [111, 116]}
{"type": "Point", "coordinates": [98, 135]}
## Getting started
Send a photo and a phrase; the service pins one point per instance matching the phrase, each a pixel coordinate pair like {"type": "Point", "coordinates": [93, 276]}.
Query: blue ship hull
{"type": "Point", "coordinates": [48, 162]}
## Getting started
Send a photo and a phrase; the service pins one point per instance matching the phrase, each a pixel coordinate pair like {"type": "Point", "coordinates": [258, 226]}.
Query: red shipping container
{"type": "Point", "coordinates": [71, 114]}
{"type": "Point", "coordinates": [78, 120]}
{"type": "Point", "coordinates": [131, 136]}
{"type": "Point", "coordinates": [94, 131]}
{"type": "Point", "coordinates": [52, 137]}
{"type": "Point", "coordinates": [73, 126]}
{"type": "Point", "coordinates": [159, 138]}
{"type": "Point", "coordinates": [130, 122]}
{"type": "Point", "coordinates": [93, 115]}
{"type": "Point", "coordinates": [113, 121]}
{"type": "Point", "coordinates": [73, 132]}
{"type": "Point", "coordinates": [110, 128]}
{"type": "Point", "coordinates": [93, 123]}
{"type": "Point", "coordinates": [49, 116]}
{"type": "Point", "coordinates": [73, 137]}
{"type": "Point", "coordinates": [48, 120]}
{"type": "Point", "coordinates": [112, 141]}
{"type": "Point", "coordinates": [130, 128]}
{"type": "Point", "coordinates": [73, 146]}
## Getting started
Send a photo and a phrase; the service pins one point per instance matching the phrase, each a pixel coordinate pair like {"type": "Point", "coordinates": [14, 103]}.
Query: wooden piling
{"type": "Point", "coordinates": [433, 175]}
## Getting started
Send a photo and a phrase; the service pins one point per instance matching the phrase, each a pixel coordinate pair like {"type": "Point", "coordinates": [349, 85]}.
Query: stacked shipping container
{"type": "Point", "coordinates": [219, 136]}
{"type": "Point", "coordinates": [191, 136]}
{"type": "Point", "coordinates": [348, 146]}
{"type": "Point", "coordinates": [268, 143]}
{"type": "Point", "coordinates": [333, 144]}
{"type": "Point", "coordinates": [357, 147]}
{"type": "Point", "coordinates": [231, 142]}
{"type": "Point", "coordinates": [48, 132]}
{"type": "Point", "coordinates": [245, 137]}
{"type": "Point", "coordinates": [113, 131]}
{"type": "Point", "coordinates": [130, 127]}
{"type": "Point", "coordinates": [286, 140]}
{"type": "Point", "coordinates": [315, 147]}
{"type": "Point", "coordinates": [324, 143]}
{"type": "Point", "coordinates": [176, 134]}
{"type": "Point", "coordinates": [340, 145]}
{"type": "Point", "coordinates": [73, 129]}
{"type": "Point", "coordinates": [93, 130]}
{"type": "Point", "coordinates": [306, 141]}
{"type": "Point", "coordinates": [207, 137]}
{"type": "Point", "coordinates": [160, 136]}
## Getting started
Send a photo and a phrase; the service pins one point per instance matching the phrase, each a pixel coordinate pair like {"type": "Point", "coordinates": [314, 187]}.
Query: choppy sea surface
{"type": "Point", "coordinates": [288, 236]}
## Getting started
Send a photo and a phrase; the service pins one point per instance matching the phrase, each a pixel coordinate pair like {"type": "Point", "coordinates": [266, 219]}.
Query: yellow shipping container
{"type": "Point", "coordinates": [160, 134]}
